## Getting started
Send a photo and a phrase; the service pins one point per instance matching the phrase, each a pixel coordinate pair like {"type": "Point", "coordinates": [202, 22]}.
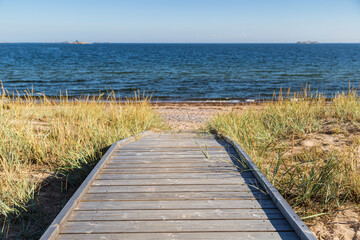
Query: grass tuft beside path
{"type": "Point", "coordinates": [284, 138]}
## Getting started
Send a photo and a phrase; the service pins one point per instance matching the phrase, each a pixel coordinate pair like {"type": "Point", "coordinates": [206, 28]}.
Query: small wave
{"type": "Point", "coordinates": [300, 75]}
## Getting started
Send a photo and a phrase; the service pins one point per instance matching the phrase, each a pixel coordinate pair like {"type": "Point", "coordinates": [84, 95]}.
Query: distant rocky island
{"type": "Point", "coordinates": [307, 42]}
{"type": "Point", "coordinates": [77, 42]}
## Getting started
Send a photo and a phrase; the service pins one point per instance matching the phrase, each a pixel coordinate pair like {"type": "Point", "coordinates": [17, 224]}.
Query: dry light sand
{"type": "Point", "coordinates": [192, 116]}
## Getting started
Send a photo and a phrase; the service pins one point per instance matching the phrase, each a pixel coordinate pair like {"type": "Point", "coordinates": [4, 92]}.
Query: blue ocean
{"type": "Point", "coordinates": [179, 72]}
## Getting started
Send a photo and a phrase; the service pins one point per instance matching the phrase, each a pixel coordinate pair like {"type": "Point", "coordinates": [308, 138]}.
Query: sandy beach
{"type": "Point", "coordinates": [187, 116]}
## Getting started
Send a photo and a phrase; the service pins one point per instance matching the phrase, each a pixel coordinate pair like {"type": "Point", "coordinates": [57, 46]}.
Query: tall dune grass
{"type": "Point", "coordinates": [42, 136]}
{"type": "Point", "coordinates": [314, 180]}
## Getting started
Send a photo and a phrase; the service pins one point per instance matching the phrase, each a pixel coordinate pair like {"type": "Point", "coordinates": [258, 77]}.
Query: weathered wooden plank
{"type": "Point", "coordinates": [177, 156]}
{"type": "Point", "coordinates": [187, 135]}
{"type": "Point", "coordinates": [221, 175]}
{"type": "Point", "coordinates": [174, 154]}
{"type": "Point", "coordinates": [186, 149]}
{"type": "Point", "coordinates": [177, 226]}
{"type": "Point", "coordinates": [181, 134]}
{"type": "Point", "coordinates": [209, 165]}
{"type": "Point", "coordinates": [152, 168]}
{"type": "Point", "coordinates": [145, 169]}
{"type": "Point", "coordinates": [190, 148]}
{"type": "Point", "coordinates": [195, 154]}
{"type": "Point", "coordinates": [161, 161]}
{"type": "Point", "coordinates": [189, 204]}
{"type": "Point", "coordinates": [177, 148]}
{"type": "Point", "coordinates": [179, 151]}
{"type": "Point", "coordinates": [174, 144]}
{"type": "Point", "coordinates": [174, 188]}
{"type": "Point", "coordinates": [183, 148]}
{"type": "Point", "coordinates": [184, 139]}
{"type": "Point", "coordinates": [174, 158]}
{"type": "Point", "coordinates": [179, 138]}
{"type": "Point", "coordinates": [169, 153]}
{"type": "Point", "coordinates": [203, 165]}
{"type": "Point", "coordinates": [178, 214]}
{"type": "Point", "coordinates": [182, 236]}
{"type": "Point", "coordinates": [173, 196]}
{"type": "Point", "coordinates": [195, 181]}
{"type": "Point", "coordinates": [182, 142]}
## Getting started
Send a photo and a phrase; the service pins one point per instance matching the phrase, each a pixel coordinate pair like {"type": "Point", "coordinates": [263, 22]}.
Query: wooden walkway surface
{"type": "Point", "coordinates": [171, 186]}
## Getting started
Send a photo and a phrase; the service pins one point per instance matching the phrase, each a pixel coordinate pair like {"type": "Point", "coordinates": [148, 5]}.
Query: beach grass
{"type": "Point", "coordinates": [42, 138]}
{"type": "Point", "coordinates": [284, 138]}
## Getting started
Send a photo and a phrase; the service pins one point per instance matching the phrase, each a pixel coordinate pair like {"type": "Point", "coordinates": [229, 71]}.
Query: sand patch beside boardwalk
{"type": "Point", "coordinates": [190, 116]}
{"type": "Point", "coordinates": [340, 225]}
{"type": "Point", "coordinates": [187, 117]}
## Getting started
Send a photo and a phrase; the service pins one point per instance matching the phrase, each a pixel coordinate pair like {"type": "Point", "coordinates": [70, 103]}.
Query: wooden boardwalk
{"type": "Point", "coordinates": [173, 186]}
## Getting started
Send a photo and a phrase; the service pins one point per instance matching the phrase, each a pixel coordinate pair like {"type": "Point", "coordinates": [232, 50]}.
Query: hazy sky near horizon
{"type": "Point", "coordinates": [180, 21]}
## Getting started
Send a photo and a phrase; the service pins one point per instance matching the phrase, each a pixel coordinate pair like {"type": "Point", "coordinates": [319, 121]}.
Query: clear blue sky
{"type": "Point", "coordinates": [235, 21]}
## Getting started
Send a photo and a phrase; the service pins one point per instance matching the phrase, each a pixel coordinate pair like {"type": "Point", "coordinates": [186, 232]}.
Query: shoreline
{"type": "Point", "coordinates": [208, 102]}
{"type": "Point", "coordinates": [110, 98]}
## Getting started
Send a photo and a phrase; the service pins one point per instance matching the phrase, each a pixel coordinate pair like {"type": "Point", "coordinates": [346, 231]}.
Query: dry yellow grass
{"type": "Point", "coordinates": [314, 179]}
{"type": "Point", "coordinates": [41, 137]}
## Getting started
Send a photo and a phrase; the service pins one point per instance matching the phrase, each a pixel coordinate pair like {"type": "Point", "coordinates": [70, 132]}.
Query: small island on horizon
{"type": "Point", "coordinates": [307, 42]}
{"type": "Point", "coordinates": [77, 42]}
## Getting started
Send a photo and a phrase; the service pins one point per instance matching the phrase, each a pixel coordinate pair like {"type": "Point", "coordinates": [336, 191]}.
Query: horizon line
{"type": "Point", "coordinates": [105, 42]}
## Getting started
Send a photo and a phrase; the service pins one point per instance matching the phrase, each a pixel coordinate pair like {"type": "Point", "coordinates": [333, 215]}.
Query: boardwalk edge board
{"type": "Point", "coordinates": [294, 220]}
{"type": "Point", "coordinates": [53, 230]}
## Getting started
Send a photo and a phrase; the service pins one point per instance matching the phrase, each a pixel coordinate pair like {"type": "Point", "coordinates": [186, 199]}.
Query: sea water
{"type": "Point", "coordinates": [179, 72]}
